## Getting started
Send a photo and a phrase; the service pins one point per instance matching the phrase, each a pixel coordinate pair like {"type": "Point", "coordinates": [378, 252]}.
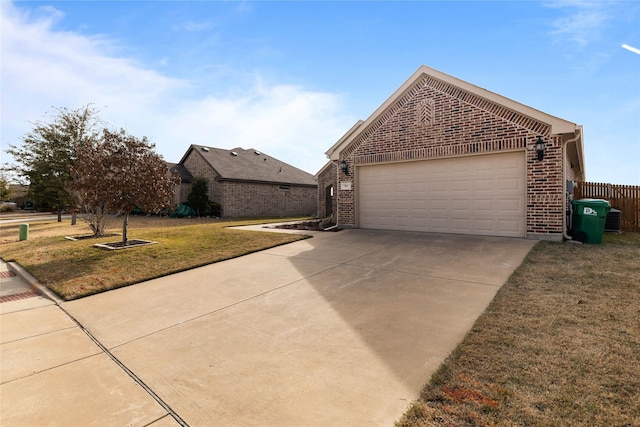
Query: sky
{"type": "Point", "coordinates": [290, 78]}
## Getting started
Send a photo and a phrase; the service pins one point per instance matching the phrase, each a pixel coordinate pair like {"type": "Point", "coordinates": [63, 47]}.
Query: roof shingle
{"type": "Point", "coordinates": [239, 164]}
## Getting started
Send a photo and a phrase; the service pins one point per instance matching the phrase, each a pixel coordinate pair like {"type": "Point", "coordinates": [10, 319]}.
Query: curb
{"type": "Point", "coordinates": [37, 287]}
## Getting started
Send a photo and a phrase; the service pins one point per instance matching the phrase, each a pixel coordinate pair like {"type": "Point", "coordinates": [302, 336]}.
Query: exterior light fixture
{"type": "Point", "coordinates": [344, 167]}
{"type": "Point", "coordinates": [539, 147]}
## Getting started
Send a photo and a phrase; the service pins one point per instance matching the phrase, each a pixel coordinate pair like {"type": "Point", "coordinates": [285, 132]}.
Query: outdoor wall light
{"type": "Point", "coordinates": [344, 166]}
{"type": "Point", "coordinates": [539, 147]}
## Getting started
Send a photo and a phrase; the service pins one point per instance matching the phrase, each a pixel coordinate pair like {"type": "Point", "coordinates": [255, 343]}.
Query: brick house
{"type": "Point", "coordinates": [247, 183]}
{"type": "Point", "coordinates": [443, 155]}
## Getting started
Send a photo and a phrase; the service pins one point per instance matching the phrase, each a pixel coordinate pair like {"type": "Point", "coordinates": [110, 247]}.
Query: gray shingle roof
{"type": "Point", "coordinates": [185, 175]}
{"type": "Point", "coordinates": [251, 165]}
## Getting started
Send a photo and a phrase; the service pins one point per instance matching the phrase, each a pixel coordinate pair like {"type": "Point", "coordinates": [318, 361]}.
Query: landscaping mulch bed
{"type": "Point", "coordinates": [89, 236]}
{"type": "Point", "coordinates": [127, 245]}
{"type": "Point", "coordinates": [308, 225]}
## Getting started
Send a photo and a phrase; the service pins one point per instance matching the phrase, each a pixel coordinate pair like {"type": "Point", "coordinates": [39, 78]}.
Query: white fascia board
{"type": "Point", "coordinates": [339, 145]}
{"type": "Point", "coordinates": [580, 149]}
{"type": "Point", "coordinates": [322, 169]}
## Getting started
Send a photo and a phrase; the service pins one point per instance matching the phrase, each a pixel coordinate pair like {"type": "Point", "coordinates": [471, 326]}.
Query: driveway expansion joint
{"type": "Point", "coordinates": [128, 371]}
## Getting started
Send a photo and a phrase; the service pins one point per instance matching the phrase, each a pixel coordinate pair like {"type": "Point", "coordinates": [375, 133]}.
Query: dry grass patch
{"type": "Point", "coordinates": [559, 345]}
{"type": "Point", "coordinates": [77, 269]}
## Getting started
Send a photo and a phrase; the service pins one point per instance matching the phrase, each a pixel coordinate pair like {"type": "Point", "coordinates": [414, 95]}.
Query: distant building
{"type": "Point", "coordinates": [247, 183]}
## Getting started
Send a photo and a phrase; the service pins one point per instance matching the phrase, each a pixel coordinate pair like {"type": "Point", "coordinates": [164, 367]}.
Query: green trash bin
{"type": "Point", "coordinates": [24, 232]}
{"type": "Point", "coordinates": [589, 217]}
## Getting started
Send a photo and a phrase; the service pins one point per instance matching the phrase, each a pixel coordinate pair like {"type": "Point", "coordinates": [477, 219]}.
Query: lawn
{"type": "Point", "coordinates": [558, 346]}
{"type": "Point", "coordinates": [74, 269]}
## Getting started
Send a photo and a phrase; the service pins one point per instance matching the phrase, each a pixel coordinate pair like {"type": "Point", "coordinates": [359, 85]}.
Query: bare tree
{"type": "Point", "coordinates": [118, 174]}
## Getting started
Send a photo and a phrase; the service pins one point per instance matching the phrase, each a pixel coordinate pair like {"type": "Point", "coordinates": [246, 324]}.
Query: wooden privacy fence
{"type": "Point", "coordinates": [626, 198]}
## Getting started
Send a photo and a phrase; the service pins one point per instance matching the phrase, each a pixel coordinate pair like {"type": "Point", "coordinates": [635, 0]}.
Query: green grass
{"type": "Point", "coordinates": [558, 346]}
{"type": "Point", "coordinates": [74, 269]}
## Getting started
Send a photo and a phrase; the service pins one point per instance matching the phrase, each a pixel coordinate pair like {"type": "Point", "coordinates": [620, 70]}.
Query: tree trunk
{"type": "Point", "coordinates": [74, 215]}
{"type": "Point", "coordinates": [125, 223]}
{"type": "Point", "coordinates": [59, 214]}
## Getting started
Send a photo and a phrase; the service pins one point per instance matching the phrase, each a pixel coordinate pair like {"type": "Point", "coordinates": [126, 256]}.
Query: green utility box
{"type": "Point", "coordinates": [589, 216]}
{"type": "Point", "coordinates": [24, 231]}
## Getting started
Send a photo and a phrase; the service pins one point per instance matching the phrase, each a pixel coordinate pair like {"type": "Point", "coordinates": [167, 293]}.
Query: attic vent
{"type": "Point", "coordinates": [257, 153]}
{"type": "Point", "coordinates": [234, 154]}
{"type": "Point", "coordinates": [205, 149]}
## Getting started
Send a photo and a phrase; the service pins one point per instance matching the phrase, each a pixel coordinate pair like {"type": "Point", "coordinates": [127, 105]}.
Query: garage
{"type": "Point", "coordinates": [482, 194]}
{"type": "Point", "coordinates": [443, 155]}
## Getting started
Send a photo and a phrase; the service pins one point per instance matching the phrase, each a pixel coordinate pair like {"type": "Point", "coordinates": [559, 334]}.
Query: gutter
{"type": "Point", "coordinates": [564, 181]}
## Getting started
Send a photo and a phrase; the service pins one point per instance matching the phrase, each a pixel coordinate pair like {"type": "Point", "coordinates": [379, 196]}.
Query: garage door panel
{"type": "Point", "coordinates": [459, 225]}
{"type": "Point", "coordinates": [508, 226]}
{"type": "Point", "coordinates": [470, 195]}
{"type": "Point", "coordinates": [510, 205]}
{"type": "Point", "coordinates": [484, 226]}
{"type": "Point", "coordinates": [483, 206]}
{"type": "Point", "coordinates": [483, 184]}
{"type": "Point", "coordinates": [505, 184]}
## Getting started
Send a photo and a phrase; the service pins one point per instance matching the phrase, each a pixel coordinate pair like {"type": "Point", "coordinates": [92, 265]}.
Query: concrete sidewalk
{"type": "Point", "coordinates": [53, 373]}
{"type": "Point", "coordinates": [340, 329]}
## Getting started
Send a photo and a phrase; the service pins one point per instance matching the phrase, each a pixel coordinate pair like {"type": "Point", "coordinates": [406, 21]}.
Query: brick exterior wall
{"type": "Point", "coordinates": [198, 167]}
{"type": "Point", "coordinates": [328, 177]}
{"type": "Point", "coordinates": [181, 193]}
{"type": "Point", "coordinates": [434, 119]}
{"type": "Point", "coordinates": [248, 199]}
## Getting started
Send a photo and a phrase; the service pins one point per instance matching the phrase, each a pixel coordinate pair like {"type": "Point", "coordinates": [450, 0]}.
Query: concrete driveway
{"type": "Point", "coordinates": [340, 329]}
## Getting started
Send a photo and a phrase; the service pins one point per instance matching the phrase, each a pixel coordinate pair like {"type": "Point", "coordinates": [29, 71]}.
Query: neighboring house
{"type": "Point", "coordinates": [186, 179]}
{"type": "Point", "coordinates": [248, 183]}
{"type": "Point", "coordinates": [443, 155]}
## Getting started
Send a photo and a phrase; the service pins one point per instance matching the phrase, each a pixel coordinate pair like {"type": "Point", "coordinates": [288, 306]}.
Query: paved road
{"type": "Point", "coordinates": [11, 219]}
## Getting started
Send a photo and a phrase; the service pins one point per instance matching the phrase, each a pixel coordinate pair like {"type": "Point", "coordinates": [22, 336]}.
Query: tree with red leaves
{"type": "Point", "coordinates": [117, 174]}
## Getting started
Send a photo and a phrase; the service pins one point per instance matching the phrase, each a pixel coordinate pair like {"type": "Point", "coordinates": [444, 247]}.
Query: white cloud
{"type": "Point", "coordinates": [192, 26]}
{"type": "Point", "coordinates": [43, 67]}
{"type": "Point", "coordinates": [287, 122]}
{"type": "Point", "coordinates": [582, 21]}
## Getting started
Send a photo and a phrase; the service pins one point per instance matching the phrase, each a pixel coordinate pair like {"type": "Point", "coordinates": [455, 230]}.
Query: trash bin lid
{"type": "Point", "coordinates": [592, 202]}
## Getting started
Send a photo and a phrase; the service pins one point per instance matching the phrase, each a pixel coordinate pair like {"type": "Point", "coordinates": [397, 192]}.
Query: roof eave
{"type": "Point", "coordinates": [322, 169]}
{"type": "Point", "coordinates": [340, 144]}
{"type": "Point", "coordinates": [580, 149]}
{"type": "Point", "coordinates": [186, 154]}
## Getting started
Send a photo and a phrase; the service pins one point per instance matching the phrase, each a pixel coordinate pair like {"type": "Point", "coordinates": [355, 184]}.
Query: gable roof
{"type": "Point", "coordinates": [250, 165]}
{"type": "Point", "coordinates": [558, 126]}
{"type": "Point", "coordinates": [185, 175]}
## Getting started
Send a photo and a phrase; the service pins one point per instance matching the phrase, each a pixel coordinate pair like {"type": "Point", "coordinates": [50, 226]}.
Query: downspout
{"type": "Point", "coordinates": [564, 182]}
{"type": "Point", "coordinates": [337, 192]}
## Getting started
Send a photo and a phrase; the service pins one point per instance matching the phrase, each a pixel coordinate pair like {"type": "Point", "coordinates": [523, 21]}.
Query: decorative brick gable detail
{"type": "Point", "coordinates": [434, 119]}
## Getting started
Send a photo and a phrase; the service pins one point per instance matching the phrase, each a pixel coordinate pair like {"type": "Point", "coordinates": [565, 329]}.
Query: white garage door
{"type": "Point", "coordinates": [482, 194]}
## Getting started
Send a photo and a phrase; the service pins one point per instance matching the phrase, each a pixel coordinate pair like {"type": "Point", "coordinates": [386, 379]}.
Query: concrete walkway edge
{"type": "Point", "coordinates": [37, 287]}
